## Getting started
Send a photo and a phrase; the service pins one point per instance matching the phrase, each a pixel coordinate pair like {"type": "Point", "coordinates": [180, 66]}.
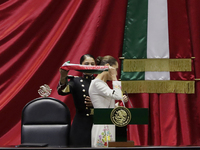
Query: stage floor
{"type": "Point", "coordinates": [124, 148]}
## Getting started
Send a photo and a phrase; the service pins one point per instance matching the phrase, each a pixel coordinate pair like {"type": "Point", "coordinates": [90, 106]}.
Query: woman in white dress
{"type": "Point", "coordinates": [103, 97]}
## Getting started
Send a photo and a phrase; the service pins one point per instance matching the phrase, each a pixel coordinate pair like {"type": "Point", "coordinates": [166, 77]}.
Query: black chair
{"type": "Point", "coordinates": [45, 120]}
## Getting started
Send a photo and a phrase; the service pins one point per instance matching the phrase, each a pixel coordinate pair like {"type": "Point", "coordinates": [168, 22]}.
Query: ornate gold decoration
{"type": "Point", "coordinates": [120, 116]}
{"type": "Point", "coordinates": [158, 86]}
{"type": "Point", "coordinates": [44, 90]}
{"type": "Point", "coordinates": [158, 64]}
{"type": "Point", "coordinates": [66, 89]}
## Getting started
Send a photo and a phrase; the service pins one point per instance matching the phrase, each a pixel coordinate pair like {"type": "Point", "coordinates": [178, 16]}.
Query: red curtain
{"type": "Point", "coordinates": [37, 37]}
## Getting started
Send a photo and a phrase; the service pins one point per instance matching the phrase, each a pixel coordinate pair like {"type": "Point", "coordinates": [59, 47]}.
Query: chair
{"type": "Point", "coordinates": [46, 120]}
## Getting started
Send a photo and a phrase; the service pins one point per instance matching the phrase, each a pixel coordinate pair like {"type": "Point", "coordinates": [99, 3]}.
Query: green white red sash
{"type": "Point", "coordinates": [84, 68]}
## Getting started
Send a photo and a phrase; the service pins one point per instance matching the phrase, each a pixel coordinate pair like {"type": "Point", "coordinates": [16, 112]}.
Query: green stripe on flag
{"type": "Point", "coordinates": [135, 36]}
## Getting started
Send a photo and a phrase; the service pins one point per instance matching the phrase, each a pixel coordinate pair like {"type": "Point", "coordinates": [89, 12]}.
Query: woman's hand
{"type": "Point", "coordinates": [113, 73]}
{"type": "Point", "coordinates": [125, 98]}
{"type": "Point", "coordinates": [88, 102]}
{"type": "Point", "coordinates": [63, 75]}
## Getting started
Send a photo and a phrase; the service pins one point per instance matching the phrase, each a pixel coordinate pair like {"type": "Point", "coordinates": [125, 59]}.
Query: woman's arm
{"type": "Point", "coordinates": [63, 87]}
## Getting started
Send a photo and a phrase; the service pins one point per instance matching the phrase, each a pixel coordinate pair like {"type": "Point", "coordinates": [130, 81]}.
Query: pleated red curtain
{"type": "Point", "coordinates": [37, 37]}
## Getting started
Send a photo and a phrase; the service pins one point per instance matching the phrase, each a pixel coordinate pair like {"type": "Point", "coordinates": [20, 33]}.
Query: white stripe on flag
{"type": "Point", "coordinates": [157, 36]}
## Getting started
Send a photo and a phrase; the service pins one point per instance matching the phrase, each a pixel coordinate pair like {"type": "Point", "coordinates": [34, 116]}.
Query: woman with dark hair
{"type": "Point", "coordinates": [80, 133]}
{"type": "Point", "coordinates": [103, 97]}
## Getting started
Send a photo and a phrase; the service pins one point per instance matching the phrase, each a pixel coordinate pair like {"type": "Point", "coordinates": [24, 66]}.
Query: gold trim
{"type": "Point", "coordinates": [158, 86]}
{"type": "Point", "coordinates": [92, 111]}
{"type": "Point", "coordinates": [163, 64]}
{"type": "Point", "coordinates": [120, 116]}
{"type": "Point", "coordinates": [121, 57]}
{"type": "Point", "coordinates": [66, 89]}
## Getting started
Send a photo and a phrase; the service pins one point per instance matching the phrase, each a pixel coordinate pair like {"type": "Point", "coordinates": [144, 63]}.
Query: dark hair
{"type": "Point", "coordinates": [106, 59]}
{"type": "Point", "coordinates": [84, 57]}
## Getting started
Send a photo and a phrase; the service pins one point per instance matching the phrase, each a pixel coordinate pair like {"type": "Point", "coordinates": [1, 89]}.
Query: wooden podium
{"type": "Point", "coordinates": [138, 116]}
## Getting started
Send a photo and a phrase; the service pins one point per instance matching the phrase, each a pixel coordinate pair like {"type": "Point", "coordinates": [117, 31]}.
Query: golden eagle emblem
{"type": "Point", "coordinates": [120, 116]}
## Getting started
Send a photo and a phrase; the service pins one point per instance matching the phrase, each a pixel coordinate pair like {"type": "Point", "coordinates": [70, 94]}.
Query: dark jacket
{"type": "Point", "coordinates": [80, 134]}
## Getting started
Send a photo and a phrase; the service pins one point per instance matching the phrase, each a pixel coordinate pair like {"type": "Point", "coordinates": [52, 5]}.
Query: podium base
{"type": "Point", "coordinates": [121, 144]}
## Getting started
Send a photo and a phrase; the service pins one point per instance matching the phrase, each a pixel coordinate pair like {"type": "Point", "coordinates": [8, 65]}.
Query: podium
{"type": "Point", "coordinates": [135, 116]}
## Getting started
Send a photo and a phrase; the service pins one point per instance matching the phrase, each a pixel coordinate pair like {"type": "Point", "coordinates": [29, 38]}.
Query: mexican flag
{"type": "Point", "coordinates": [157, 55]}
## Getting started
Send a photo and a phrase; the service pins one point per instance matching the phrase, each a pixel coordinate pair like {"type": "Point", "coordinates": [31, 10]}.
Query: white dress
{"type": "Point", "coordinates": [103, 97]}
